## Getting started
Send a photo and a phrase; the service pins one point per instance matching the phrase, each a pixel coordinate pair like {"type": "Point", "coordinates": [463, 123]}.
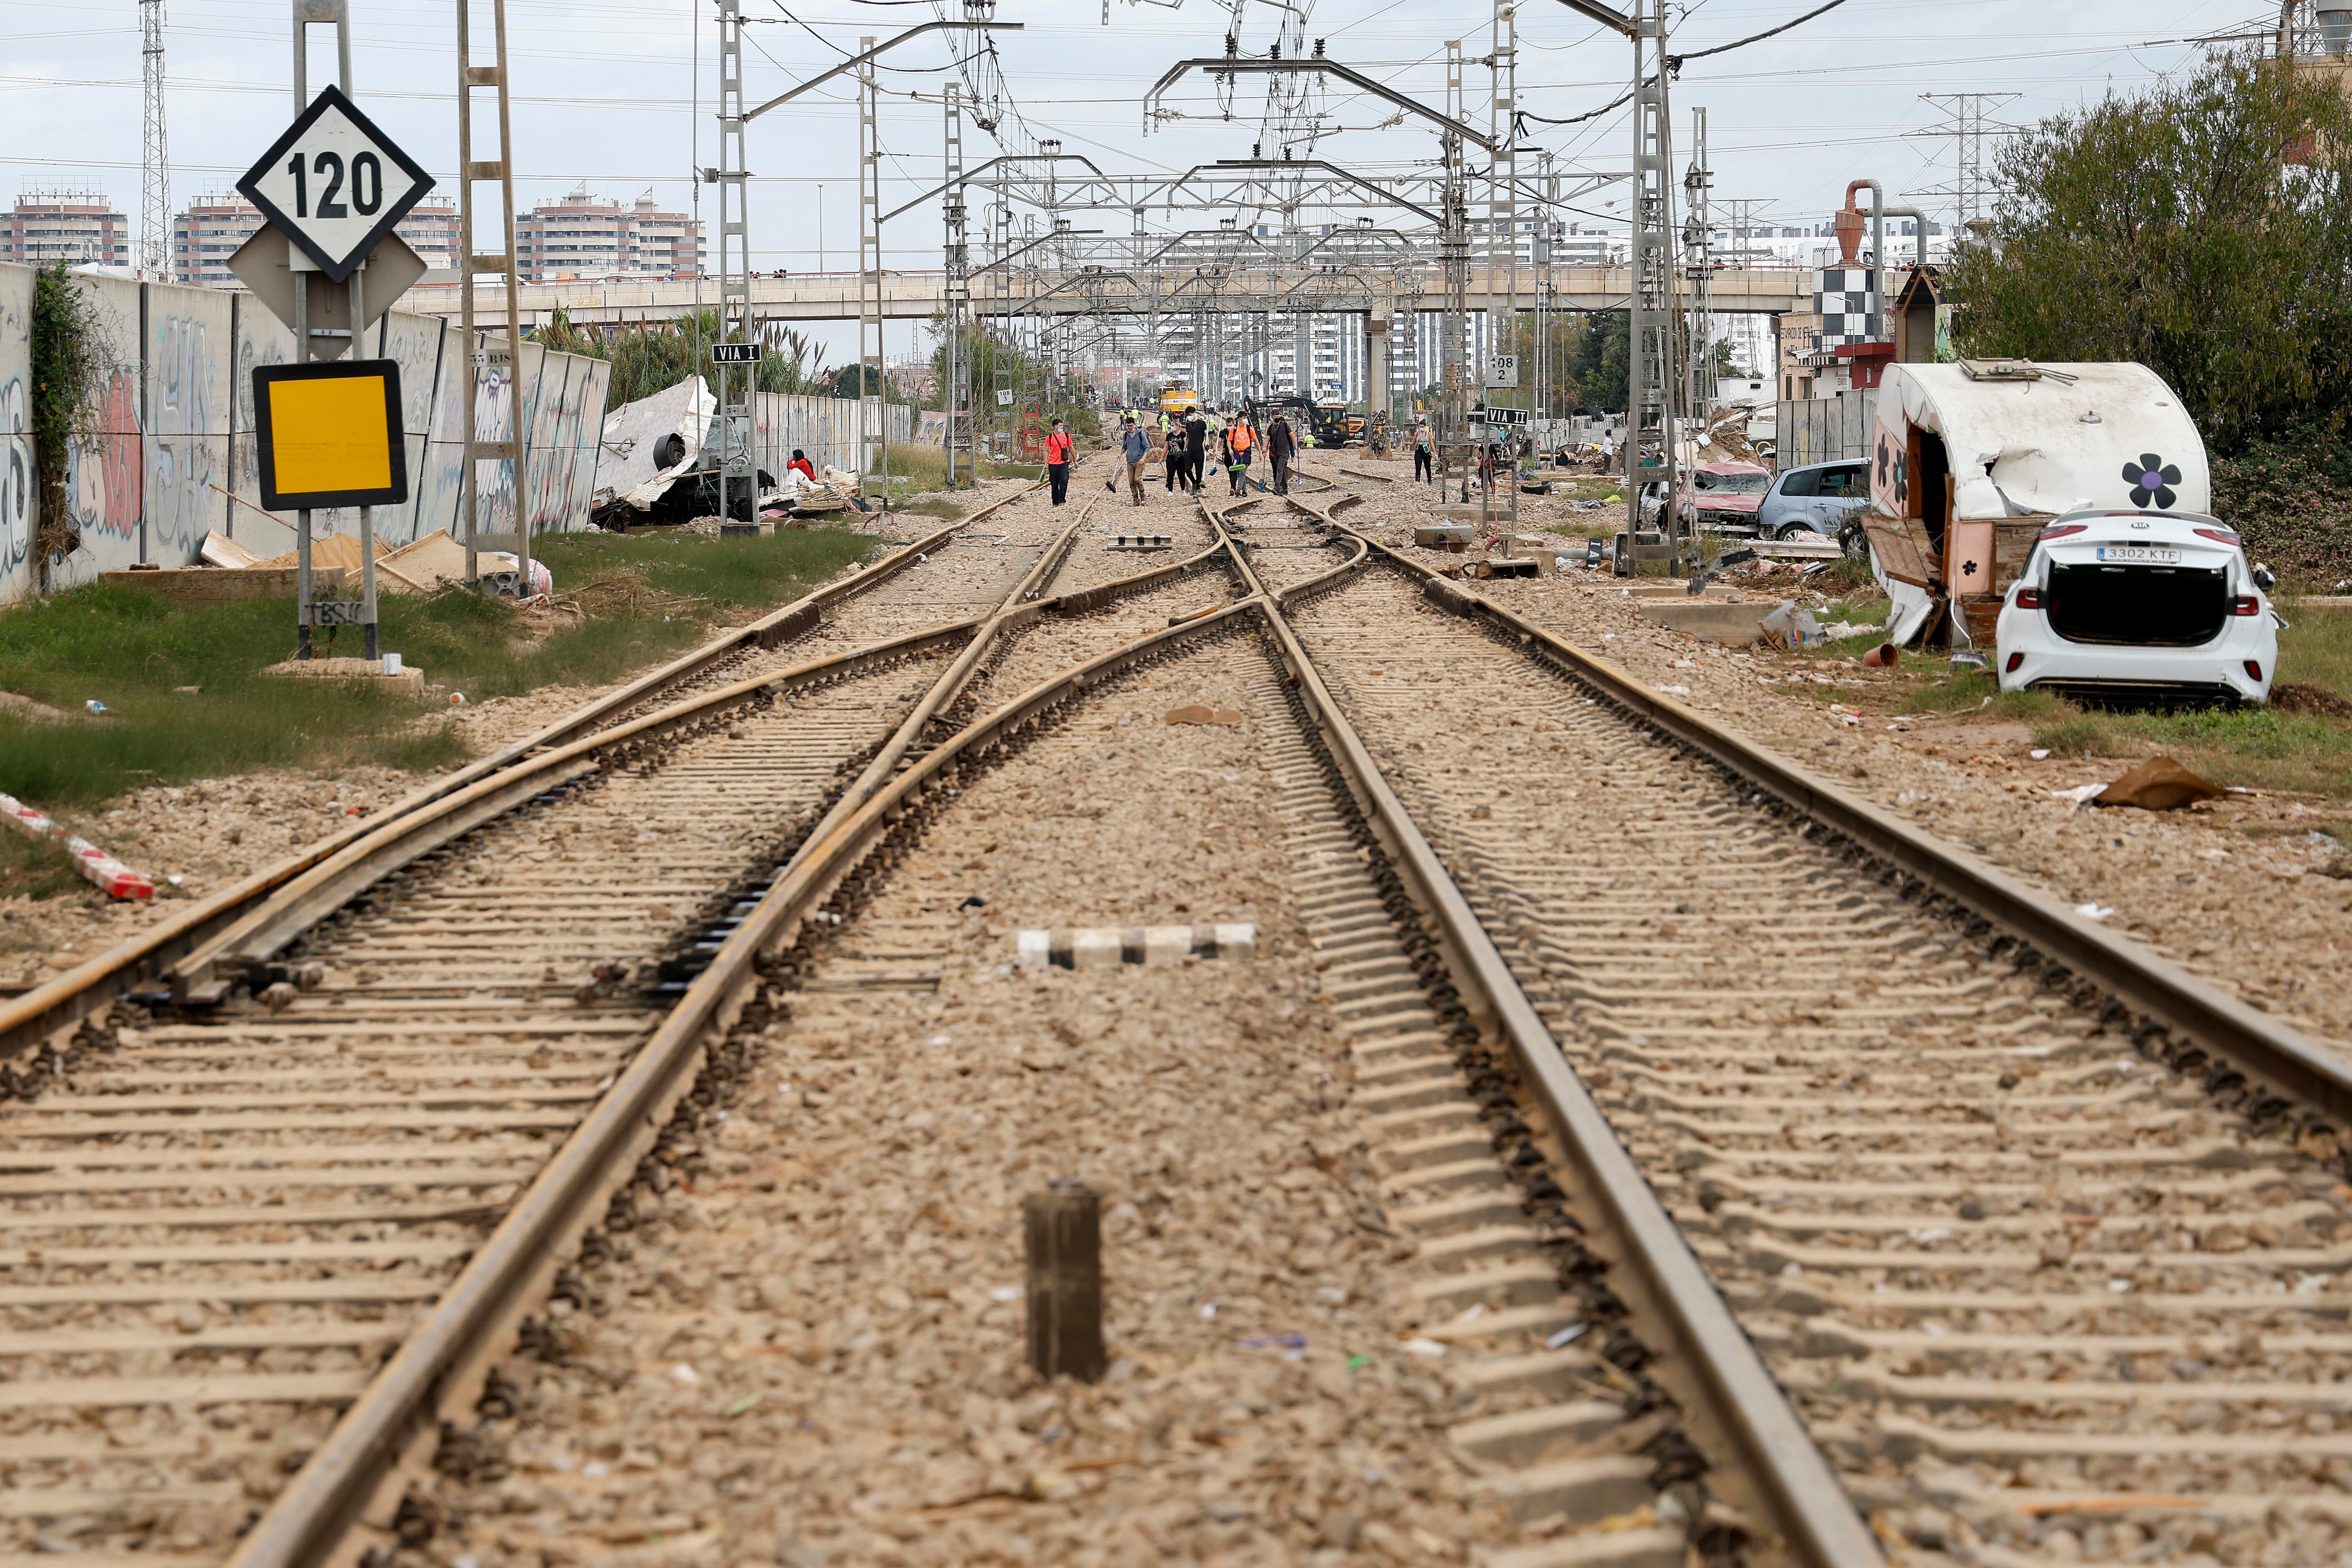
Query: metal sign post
{"type": "Point", "coordinates": [331, 188]}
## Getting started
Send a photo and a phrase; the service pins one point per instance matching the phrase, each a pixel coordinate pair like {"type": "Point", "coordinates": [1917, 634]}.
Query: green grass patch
{"type": "Point", "coordinates": [186, 699]}
{"type": "Point", "coordinates": [30, 869]}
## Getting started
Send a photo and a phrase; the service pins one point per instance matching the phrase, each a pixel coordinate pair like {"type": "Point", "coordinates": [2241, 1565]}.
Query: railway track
{"type": "Point", "coordinates": [2047, 1251]}
{"type": "Point", "coordinates": [1537, 1040]}
{"type": "Point", "coordinates": [215, 1244]}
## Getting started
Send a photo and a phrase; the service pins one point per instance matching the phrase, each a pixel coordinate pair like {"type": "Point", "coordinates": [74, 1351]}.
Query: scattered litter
{"type": "Point", "coordinates": [94, 705]}
{"type": "Point", "coordinates": [1882, 656]}
{"type": "Point", "coordinates": [2081, 794]}
{"type": "Point", "coordinates": [740, 1405]}
{"type": "Point", "coordinates": [2094, 911]}
{"type": "Point", "coordinates": [1976, 661]}
{"type": "Point", "coordinates": [1418, 1346]}
{"type": "Point", "coordinates": [1677, 690]}
{"type": "Point", "coordinates": [2160, 783]}
{"type": "Point", "coordinates": [1208, 1311]}
{"type": "Point", "coordinates": [2120, 1286]}
{"type": "Point", "coordinates": [2039, 752]}
{"type": "Point", "coordinates": [1196, 713]}
{"type": "Point", "coordinates": [1568, 1336]}
{"type": "Point", "coordinates": [456, 699]}
{"type": "Point", "coordinates": [1273, 1343]}
{"type": "Point", "coordinates": [685, 1373]}
{"type": "Point", "coordinates": [937, 1040]}
{"type": "Point", "coordinates": [1005, 1293]}
{"type": "Point", "coordinates": [1847, 716]}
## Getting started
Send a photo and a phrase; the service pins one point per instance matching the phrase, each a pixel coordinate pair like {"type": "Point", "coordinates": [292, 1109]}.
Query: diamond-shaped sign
{"type": "Point", "coordinates": [335, 184]}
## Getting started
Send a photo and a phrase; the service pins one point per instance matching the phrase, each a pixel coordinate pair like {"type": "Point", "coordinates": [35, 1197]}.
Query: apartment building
{"type": "Point", "coordinates": [212, 228]}
{"type": "Point", "coordinates": [80, 228]}
{"type": "Point", "coordinates": [583, 236]}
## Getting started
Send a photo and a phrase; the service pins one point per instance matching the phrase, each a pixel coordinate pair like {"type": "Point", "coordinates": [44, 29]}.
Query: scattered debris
{"type": "Point", "coordinates": [1195, 713]}
{"type": "Point", "coordinates": [2094, 910]}
{"type": "Point", "coordinates": [2160, 783]}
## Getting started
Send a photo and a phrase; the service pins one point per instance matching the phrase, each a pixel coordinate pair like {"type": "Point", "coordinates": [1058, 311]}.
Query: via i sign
{"type": "Point", "coordinates": [335, 184]}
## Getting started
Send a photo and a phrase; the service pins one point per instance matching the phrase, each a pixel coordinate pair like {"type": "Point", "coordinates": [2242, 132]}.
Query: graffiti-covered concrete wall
{"type": "Point", "coordinates": [824, 427]}
{"type": "Point", "coordinates": [18, 504]}
{"type": "Point", "coordinates": [169, 456]}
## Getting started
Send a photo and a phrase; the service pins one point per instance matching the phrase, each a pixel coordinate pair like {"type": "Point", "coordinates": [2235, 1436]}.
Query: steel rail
{"type": "Point", "coordinates": [1743, 1401]}
{"type": "Point", "coordinates": [472, 1322]}
{"type": "Point", "coordinates": [2298, 1065]}
{"type": "Point", "coordinates": [326, 886]}
{"type": "Point", "coordinates": [47, 1010]}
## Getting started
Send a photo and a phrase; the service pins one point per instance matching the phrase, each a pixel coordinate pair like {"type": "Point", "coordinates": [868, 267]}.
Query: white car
{"type": "Point", "coordinates": [2117, 605]}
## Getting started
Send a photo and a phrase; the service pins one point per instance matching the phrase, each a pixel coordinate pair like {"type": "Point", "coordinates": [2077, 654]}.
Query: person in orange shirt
{"type": "Point", "coordinates": [1058, 462]}
{"type": "Point", "coordinates": [1239, 440]}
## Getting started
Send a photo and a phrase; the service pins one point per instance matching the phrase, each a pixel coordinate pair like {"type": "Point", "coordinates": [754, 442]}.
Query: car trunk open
{"type": "Point", "coordinates": [2137, 606]}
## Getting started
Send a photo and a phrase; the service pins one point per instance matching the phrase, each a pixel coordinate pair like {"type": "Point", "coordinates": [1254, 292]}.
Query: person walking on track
{"type": "Point", "coordinates": [1058, 462]}
{"type": "Point", "coordinates": [1423, 457]}
{"type": "Point", "coordinates": [1239, 440]}
{"type": "Point", "coordinates": [1282, 448]}
{"type": "Point", "coordinates": [1196, 449]}
{"type": "Point", "coordinates": [1135, 445]}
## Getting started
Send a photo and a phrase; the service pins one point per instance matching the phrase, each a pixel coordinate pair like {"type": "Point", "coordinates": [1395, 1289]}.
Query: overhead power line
{"type": "Point", "coordinates": [1674, 62]}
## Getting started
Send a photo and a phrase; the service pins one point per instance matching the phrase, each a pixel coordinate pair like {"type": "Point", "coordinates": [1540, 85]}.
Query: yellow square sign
{"type": "Point", "coordinates": [329, 434]}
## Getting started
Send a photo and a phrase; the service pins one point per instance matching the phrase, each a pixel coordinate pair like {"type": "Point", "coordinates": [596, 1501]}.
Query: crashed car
{"type": "Point", "coordinates": [1723, 497]}
{"type": "Point", "coordinates": [2120, 605]}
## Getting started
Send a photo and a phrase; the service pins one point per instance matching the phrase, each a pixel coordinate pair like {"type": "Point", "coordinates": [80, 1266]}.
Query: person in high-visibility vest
{"type": "Point", "coordinates": [1239, 440]}
{"type": "Point", "coordinates": [1058, 462]}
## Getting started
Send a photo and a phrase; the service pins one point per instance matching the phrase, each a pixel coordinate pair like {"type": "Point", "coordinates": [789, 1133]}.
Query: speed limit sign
{"type": "Point", "coordinates": [335, 184]}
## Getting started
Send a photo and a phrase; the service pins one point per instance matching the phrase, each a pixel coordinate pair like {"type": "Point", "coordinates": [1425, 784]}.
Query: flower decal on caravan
{"type": "Point", "coordinates": [2152, 479]}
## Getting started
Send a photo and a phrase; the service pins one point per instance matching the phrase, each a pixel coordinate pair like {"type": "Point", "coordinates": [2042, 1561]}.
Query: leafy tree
{"type": "Point", "coordinates": [648, 356]}
{"type": "Point", "coordinates": [2170, 228]}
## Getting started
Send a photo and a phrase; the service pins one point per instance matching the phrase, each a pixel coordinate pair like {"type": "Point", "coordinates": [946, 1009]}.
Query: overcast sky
{"type": "Point", "coordinates": [605, 93]}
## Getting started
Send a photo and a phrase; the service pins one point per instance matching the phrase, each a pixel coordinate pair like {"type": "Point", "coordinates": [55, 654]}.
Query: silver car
{"type": "Point", "coordinates": [1818, 496]}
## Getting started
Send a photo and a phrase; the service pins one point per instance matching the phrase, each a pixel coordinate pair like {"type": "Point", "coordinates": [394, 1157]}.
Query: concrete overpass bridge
{"type": "Point", "coordinates": [1107, 291]}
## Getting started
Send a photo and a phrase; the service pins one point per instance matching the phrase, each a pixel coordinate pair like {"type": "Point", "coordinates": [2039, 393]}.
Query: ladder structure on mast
{"type": "Point", "coordinates": [1503, 228]}
{"type": "Point", "coordinates": [500, 353]}
{"type": "Point", "coordinates": [873, 416]}
{"type": "Point", "coordinates": [1698, 268]}
{"type": "Point", "coordinates": [955, 393]}
{"type": "Point", "coordinates": [1453, 440]}
{"type": "Point", "coordinates": [737, 382]}
{"type": "Point", "coordinates": [1651, 415]}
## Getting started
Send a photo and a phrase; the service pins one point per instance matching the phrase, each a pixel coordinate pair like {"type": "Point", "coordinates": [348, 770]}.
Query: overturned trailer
{"type": "Point", "coordinates": [1970, 460]}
